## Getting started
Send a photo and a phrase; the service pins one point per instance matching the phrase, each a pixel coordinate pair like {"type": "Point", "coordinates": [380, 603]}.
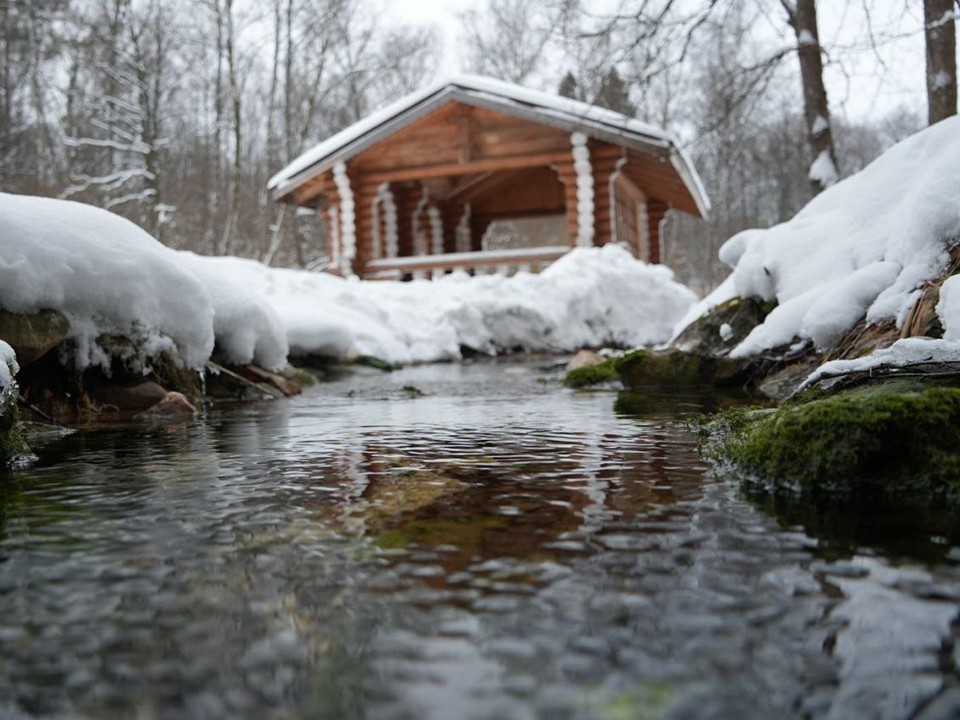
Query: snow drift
{"type": "Point", "coordinates": [590, 297]}
{"type": "Point", "coordinates": [862, 247]}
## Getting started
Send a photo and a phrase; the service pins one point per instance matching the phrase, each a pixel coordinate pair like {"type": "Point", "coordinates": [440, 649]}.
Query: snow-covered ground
{"type": "Point", "coordinates": [109, 276]}
{"type": "Point", "coordinates": [862, 247]}
{"type": "Point", "coordinates": [590, 297]}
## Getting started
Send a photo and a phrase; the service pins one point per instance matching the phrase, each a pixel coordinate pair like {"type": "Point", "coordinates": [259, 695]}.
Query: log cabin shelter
{"type": "Point", "coordinates": [415, 189]}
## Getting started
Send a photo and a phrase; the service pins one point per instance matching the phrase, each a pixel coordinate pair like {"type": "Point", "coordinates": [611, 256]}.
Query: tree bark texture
{"type": "Point", "coordinates": [803, 19]}
{"type": "Point", "coordinates": [941, 40]}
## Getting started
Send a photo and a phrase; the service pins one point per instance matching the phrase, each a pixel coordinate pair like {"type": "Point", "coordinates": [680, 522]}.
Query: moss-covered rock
{"type": "Point", "coordinates": [889, 440]}
{"type": "Point", "coordinates": [664, 369]}
{"type": "Point", "coordinates": [33, 335]}
{"type": "Point", "coordinates": [12, 442]}
{"type": "Point", "coordinates": [598, 374]}
{"type": "Point", "coordinates": [677, 368]}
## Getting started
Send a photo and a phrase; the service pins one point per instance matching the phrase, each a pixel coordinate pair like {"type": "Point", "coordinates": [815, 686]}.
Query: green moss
{"type": "Point", "coordinates": [889, 439]}
{"type": "Point", "coordinates": [677, 368]}
{"type": "Point", "coordinates": [592, 374]}
{"type": "Point", "coordinates": [12, 442]}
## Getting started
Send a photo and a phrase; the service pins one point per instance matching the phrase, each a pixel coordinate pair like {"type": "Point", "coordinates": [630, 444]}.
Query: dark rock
{"type": "Point", "coordinates": [584, 358]}
{"type": "Point", "coordinates": [287, 386]}
{"type": "Point", "coordinates": [32, 336]}
{"type": "Point", "coordinates": [126, 397]}
{"type": "Point", "coordinates": [724, 327]}
{"type": "Point", "coordinates": [174, 404]}
{"type": "Point", "coordinates": [783, 383]}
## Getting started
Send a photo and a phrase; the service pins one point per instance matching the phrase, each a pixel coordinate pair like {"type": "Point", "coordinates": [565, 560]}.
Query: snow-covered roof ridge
{"type": "Point", "coordinates": [536, 105]}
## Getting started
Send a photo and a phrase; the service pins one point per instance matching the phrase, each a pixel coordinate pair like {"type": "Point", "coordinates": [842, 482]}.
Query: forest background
{"type": "Point", "coordinates": [174, 113]}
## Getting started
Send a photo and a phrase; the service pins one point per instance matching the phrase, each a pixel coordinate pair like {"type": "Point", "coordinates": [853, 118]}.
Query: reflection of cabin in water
{"type": "Point", "coordinates": [427, 184]}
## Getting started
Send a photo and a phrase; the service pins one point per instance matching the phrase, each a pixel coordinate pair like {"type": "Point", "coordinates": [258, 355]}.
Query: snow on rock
{"type": "Point", "coordinates": [8, 368]}
{"type": "Point", "coordinates": [107, 276]}
{"type": "Point", "coordinates": [865, 245]}
{"type": "Point", "coordinates": [910, 351]}
{"type": "Point", "coordinates": [104, 273]}
{"type": "Point", "coordinates": [591, 296]}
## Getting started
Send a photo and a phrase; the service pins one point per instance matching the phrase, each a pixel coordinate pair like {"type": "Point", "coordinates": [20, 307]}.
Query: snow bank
{"type": "Point", "coordinates": [591, 296]}
{"type": "Point", "coordinates": [246, 327]}
{"type": "Point", "coordinates": [107, 276]}
{"type": "Point", "coordinates": [863, 246]}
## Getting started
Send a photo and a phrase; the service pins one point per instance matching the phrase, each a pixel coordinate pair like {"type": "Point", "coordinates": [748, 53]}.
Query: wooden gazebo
{"type": "Point", "coordinates": [412, 189]}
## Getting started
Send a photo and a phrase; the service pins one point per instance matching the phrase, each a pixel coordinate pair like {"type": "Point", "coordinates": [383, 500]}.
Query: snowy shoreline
{"type": "Point", "coordinates": [109, 277]}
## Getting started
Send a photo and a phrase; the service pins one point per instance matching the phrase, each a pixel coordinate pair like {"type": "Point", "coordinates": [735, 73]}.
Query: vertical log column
{"type": "Point", "coordinates": [348, 219]}
{"type": "Point", "coordinates": [586, 195]}
{"type": "Point", "coordinates": [331, 220]}
{"type": "Point", "coordinates": [451, 213]}
{"type": "Point", "coordinates": [366, 196]}
{"type": "Point", "coordinates": [568, 176]}
{"type": "Point", "coordinates": [604, 159]}
{"type": "Point", "coordinates": [406, 201]}
{"type": "Point", "coordinates": [656, 211]}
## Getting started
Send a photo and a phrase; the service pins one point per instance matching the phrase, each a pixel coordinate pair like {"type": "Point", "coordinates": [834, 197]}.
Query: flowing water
{"type": "Point", "coordinates": [454, 541]}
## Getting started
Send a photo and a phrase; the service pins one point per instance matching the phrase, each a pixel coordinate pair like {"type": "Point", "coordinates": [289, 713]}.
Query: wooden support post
{"type": "Point", "coordinates": [604, 159]}
{"type": "Point", "coordinates": [568, 176]}
{"type": "Point", "coordinates": [656, 211]}
{"type": "Point", "coordinates": [366, 195]}
{"type": "Point", "coordinates": [478, 226]}
{"type": "Point", "coordinates": [406, 201]}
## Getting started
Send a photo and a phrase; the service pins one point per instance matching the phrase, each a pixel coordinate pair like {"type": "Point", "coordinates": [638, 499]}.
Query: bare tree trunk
{"type": "Point", "coordinates": [941, 40]}
{"type": "Point", "coordinates": [233, 219]}
{"type": "Point", "coordinates": [802, 16]}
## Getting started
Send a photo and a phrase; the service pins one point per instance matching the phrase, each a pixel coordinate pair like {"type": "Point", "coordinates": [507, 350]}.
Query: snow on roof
{"type": "Point", "coordinates": [534, 105]}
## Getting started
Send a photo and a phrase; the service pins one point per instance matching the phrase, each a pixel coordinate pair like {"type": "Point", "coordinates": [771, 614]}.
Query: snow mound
{"type": "Point", "coordinates": [246, 327]}
{"type": "Point", "coordinates": [590, 297]}
{"type": "Point", "coordinates": [107, 276]}
{"type": "Point", "coordinates": [8, 368]}
{"type": "Point", "coordinates": [863, 246]}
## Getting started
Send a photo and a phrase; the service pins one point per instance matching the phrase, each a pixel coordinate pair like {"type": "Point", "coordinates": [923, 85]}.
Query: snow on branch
{"type": "Point", "coordinates": [137, 147]}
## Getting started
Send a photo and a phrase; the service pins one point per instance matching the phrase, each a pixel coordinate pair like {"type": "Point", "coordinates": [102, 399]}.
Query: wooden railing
{"type": "Point", "coordinates": [486, 262]}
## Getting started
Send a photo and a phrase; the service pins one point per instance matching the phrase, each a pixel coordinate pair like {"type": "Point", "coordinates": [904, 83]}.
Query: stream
{"type": "Point", "coordinates": [449, 541]}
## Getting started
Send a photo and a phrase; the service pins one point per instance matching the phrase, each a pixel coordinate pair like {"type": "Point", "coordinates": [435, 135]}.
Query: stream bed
{"type": "Point", "coordinates": [450, 541]}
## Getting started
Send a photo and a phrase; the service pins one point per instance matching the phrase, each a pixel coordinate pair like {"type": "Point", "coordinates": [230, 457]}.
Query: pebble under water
{"type": "Point", "coordinates": [448, 541]}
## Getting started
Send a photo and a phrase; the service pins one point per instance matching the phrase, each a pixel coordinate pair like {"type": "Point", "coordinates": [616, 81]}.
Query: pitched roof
{"type": "Point", "coordinates": [537, 106]}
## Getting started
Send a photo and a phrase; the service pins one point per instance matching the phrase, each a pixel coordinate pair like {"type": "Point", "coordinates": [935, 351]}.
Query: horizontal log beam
{"type": "Point", "coordinates": [454, 261]}
{"type": "Point", "coordinates": [476, 166]}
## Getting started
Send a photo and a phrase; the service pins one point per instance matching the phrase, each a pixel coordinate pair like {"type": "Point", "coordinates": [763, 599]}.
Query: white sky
{"type": "Point", "coordinates": [861, 82]}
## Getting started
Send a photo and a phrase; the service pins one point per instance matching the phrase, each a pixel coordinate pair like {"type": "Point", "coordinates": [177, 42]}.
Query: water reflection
{"type": "Point", "coordinates": [496, 548]}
